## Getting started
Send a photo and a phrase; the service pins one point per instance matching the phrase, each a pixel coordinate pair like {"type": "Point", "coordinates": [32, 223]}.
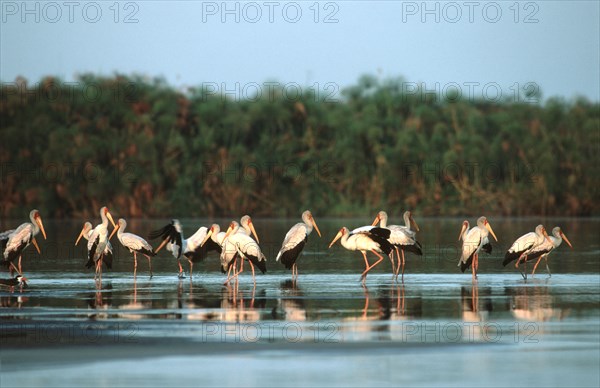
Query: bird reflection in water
{"type": "Point", "coordinates": [381, 318]}
{"type": "Point", "coordinates": [475, 310]}
{"type": "Point", "coordinates": [134, 307]}
{"type": "Point", "coordinates": [11, 301]}
{"type": "Point", "coordinates": [100, 301]}
{"type": "Point", "coordinates": [534, 304]}
{"type": "Point", "coordinates": [290, 306]}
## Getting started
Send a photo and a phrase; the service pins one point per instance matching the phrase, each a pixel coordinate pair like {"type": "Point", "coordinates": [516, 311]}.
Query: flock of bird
{"type": "Point", "coordinates": [240, 243]}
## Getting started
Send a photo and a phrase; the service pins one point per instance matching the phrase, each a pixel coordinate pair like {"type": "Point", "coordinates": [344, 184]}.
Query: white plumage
{"type": "Point", "coordinates": [86, 233]}
{"type": "Point", "coordinates": [546, 247]}
{"type": "Point", "coordinates": [374, 239]}
{"type": "Point", "coordinates": [15, 241]}
{"type": "Point", "coordinates": [135, 244]}
{"type": "Point", "coordinates": [473, 242]}
{"type": "Point", "coordinates": [245, 247]}
{"type": "Point", "coordinates": [402, 237]}
{"type": "Point", "coordinates": [523, 246]}
{"type": "Point", "coordinates": [294, 241]}
{"type": "Point", "coordinates": [98, 240]}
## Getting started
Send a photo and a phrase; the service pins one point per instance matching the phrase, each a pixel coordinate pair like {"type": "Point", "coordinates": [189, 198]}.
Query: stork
{"type": "Point", "coordinates": [403, 238]}
{"type": "Point", "coordinates": [524, 245]}
{"type": "Point", "coordinates": [227, 252]}
{"type": "Point", "coordinates": [134, 243]}
{"type": "Point", "coordinates": [532, 245]}
{"type": "Point", "coordinates": [98, 240]}
{"type": "Point", "coordinates": [294, 242]}
{"type": "Point", "coordinates": [544, 249]}
{"type": "Point", "coordinates": [107, 255]}
{"type": "Point", "coordinates": [246, 248]}
{"type": "Point", "coordinates": [486, 247]}
{"type": "Point", "coordinates": [374, 240]}
{"type": "Point", "coordinates": [191, 248]}
{"type": "Point", "coordinates": [15, 241]}
{"type": "Point", "coordinates": [473, 242]}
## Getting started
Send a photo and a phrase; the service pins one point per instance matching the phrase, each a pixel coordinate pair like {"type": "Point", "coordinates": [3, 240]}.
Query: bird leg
{"type": "Point", "coordinates": [393, 264]}
{"type": "Point", "coordinates": [181, 275]}
{"type": "Point", "coordinates": [403, 264]}
{"type": "Point", "coordinates": [191, 267]}
{"type": "Point", "coordinates": [236, 275]}
{"type": "Point", "coordinates": [253, 278]}
{"type": "Point", "coordinates": [12, 265]}
{"type": "Point", "coordinates": [150, 264]}
{"type": "Point", "coordinates": [548, 268]}
{"type": "Point", "coordinates": [134, 263]}
{"type": "Point", "coordinates": [366, 261]}
{"type": "Point", "coordinates": [364, 274]}
{"type": "Point", "coordinates": [517, 265]}
{"type": "Point", "coordinates": [20, 271]}
{"type": "Point", "coordinates": [536, 264]}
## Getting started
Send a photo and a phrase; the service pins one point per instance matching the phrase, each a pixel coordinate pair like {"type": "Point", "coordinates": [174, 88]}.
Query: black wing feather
{"type": "Point", "coordinates": [289, 257]}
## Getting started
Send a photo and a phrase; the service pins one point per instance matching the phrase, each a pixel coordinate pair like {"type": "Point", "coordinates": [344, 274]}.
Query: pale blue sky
{"type": "Point", "coordinates": [187, 43]}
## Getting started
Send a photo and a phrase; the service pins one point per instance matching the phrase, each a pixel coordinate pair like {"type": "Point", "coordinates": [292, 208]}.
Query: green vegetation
{"type": "Point", "coordinates": [146, 149]}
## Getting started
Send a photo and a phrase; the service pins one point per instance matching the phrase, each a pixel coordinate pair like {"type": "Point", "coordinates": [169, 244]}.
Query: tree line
{"type": "Point", "coordinates": [147, 149]}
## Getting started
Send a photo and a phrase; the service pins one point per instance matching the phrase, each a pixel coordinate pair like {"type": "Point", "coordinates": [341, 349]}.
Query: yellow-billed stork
{"type": "Point", "coordinates": [98, 240]}
{"type": "Point", "coordinates": [294, 242]}
{"type": "Point", "coordinates": [15, 241]}
{"type": "Point", "coordinates": [217, 239]}
{"type": "Point", "coordinates": [523, 246]}
{"type": "Point", "coordinates": [473, 242]}
{"type": "Point", "coordinates": [247, 227]}
{"type": "Point", "coordinates": [134, 243]}
{"type": "Point", "coordinates": [191, 248]}
{"type": "Point", "coordinates": [374, 240]}
{"type": "Point", "coordinates": [107, 255]}
{"type": "Point", "coordinates": [545, 247]}
{"type": "Point", "coordinates": [246, 248]}
{"type": "Point", "coordinates": [402, 237]}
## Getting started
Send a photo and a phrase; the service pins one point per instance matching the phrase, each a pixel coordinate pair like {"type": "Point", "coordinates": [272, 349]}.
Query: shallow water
{"type": "Point", "coordinates": [437, 328]}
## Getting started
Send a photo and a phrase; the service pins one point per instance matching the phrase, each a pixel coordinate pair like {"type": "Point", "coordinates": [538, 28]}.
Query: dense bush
{"type": "Point", "coordinates": [147, 149]}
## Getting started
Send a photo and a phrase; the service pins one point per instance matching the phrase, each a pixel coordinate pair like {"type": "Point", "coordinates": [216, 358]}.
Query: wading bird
{"type": "Point", "coordinates": [15, 241]}
{"type": "Point", "coordinates": [374, 240]}
{"type": "Point", "coordinates": [18, 280]}
{"type": "Point", "coordinates": [294, 242]}
{"type": "Point", "coordinates": [473, 242]}
{"type": "Point", "coordinates": [191, 248]}
{"type": "Point", "coordinates": [246, 248]}
{"type": "Point", "coordinates": [215, 237]}
{"type": "Point", "coordinates": [403, 238]}
{"type": "Point", "coordinates": [134, 243]}
{"type": "Point", "coordinates": [486, 247]}
{"type": "Point", "coordinates": [98, 240]}
{"type": "Point", "coordinates": [524, 245]}
{"type": "Point", "coordinates": [247, 227]}
{"type": "Point", "coordinates": [543, 250]}
{"type": "Point", "coordinates": [107, 255]}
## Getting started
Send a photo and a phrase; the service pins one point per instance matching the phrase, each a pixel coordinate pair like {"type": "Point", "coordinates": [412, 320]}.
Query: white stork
{"type": "Point", "coordinates": [246, 248]}
{"type": "Point", "coordinates": [294, 242]}
{"type": "Point", "coordinates": [543, 245]}
{"type": "Point", "coordinates": [374, 240]}
{"type": "Point", "coordinates": [473, 242]}
{"type": "Point", "coordinates": [98, 240]}
{"type": "Point", "coordinates": [402, 237]}
{"type": "Point", "coordinates": [524, 245]}
{"type": "Point", "coordinates": [107, 255]}
{"type": "Point", "coordinates": [15, 241]}
{"type": "Point", "coordinates": [134, 243]}
{"type": "Point", "coordinates": [191, 248]}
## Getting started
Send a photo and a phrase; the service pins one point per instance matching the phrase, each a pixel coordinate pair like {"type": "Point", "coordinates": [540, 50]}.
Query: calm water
{"type": "Point", "coordinates": [438, 328]}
